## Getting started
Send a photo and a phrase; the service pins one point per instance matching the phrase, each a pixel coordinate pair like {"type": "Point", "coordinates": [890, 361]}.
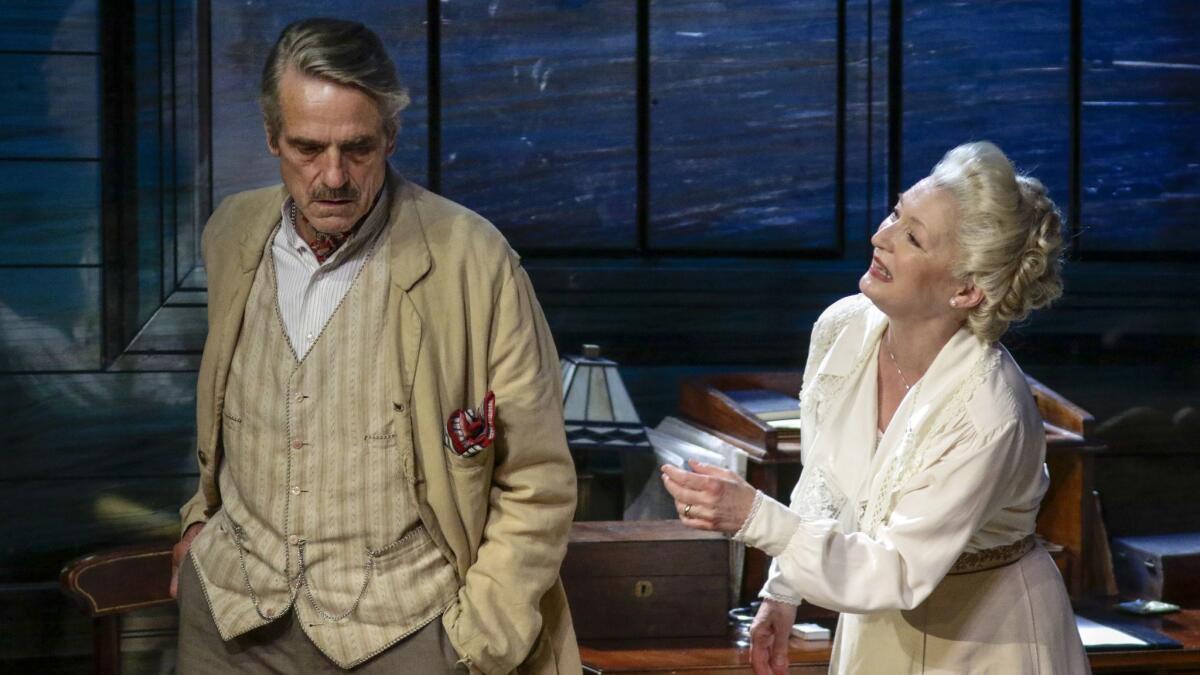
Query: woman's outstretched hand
{"type": "Point", "coordinates": [769, 637]}
{"type": "Point", "coordinates": [709, 497]}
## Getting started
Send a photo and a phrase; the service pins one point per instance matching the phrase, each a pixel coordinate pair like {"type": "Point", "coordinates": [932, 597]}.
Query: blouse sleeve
{"type": "Point", "coordinates": [910, 554]}
{"type": "Point", "coordinates": [777, 587]}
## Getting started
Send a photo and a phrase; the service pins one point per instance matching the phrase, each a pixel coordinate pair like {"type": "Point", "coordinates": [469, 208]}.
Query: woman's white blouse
{"type": "Point", "coordinates": [959, 469]}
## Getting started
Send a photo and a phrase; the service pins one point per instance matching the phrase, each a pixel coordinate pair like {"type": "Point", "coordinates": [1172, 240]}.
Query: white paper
{"type": "Point", "coordinates": [666, 444]}
{"type": "Point", "coordinates": [1096, 634]}
{"type": "Point", "coordinates": [735, 457]}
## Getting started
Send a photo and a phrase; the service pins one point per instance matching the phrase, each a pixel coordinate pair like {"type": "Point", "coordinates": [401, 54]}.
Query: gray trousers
{"type": "Point", "coordinates": [282, 647]}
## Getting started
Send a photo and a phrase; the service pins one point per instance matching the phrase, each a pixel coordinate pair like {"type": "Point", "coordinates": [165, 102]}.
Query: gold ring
{"type": "Point", "coordinates": [687, 510]}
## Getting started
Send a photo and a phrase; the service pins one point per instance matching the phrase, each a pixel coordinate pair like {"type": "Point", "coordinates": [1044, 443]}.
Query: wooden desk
{"type": "Point", "coordinates": [722, 655]}
{"type": "Point", "coordinates": [692, 655]}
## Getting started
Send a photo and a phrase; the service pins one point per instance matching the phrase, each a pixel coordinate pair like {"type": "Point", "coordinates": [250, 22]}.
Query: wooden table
{"type": "Point", "coordinates": [692, 655]}
{"type": "Point", "coordinates": [723, 655]}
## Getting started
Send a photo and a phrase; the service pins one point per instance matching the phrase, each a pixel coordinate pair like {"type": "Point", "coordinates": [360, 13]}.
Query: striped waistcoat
{"type": "Point", "coordinates": [317, 515]}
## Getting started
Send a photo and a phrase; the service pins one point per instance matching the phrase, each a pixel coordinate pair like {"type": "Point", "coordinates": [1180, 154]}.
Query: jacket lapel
{"type": "Point", "coordinates": [230, 299]}
{"type": "Point", "coordinates": [410, 262]}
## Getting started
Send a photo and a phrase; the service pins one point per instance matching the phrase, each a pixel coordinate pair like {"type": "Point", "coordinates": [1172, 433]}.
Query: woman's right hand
{"type": "Point", "coordinates": [769, 637]}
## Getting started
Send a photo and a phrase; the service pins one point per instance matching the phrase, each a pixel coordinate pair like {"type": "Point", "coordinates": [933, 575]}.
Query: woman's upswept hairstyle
{"type": "Point", "coordinates": [1009, 235]}
{"type": "Point", "coordinates": [345, 52]}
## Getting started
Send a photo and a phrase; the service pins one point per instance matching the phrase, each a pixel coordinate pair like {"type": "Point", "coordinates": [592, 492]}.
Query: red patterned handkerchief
{"type": "Point", "coordinates": [468, 432]}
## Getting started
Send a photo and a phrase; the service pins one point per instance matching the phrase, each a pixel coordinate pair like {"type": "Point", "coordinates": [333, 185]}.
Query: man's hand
{"type": "Point", "coordinates": [711, 498]}
{"type": "Point", "coordinates": [769, 637]}
{"type": "Point", "coordinates": [179, 552]}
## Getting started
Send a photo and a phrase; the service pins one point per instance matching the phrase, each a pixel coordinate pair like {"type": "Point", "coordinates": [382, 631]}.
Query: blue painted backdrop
{"type": "Point", "coordinates": [766, 156]}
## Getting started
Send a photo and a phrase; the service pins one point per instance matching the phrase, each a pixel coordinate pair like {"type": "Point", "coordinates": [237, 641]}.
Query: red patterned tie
{"type": "Point", "coordinates": [323, 245]}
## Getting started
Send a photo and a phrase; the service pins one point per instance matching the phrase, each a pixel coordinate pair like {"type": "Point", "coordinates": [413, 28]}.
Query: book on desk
{"type": "Point", "coordinates": [760, 412]}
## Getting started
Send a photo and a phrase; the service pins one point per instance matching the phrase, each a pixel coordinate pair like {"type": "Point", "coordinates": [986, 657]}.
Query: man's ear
{"type": "Point", "coordinates": [272, 140]}
{"type": "Point", "coordinates": [391, 142]}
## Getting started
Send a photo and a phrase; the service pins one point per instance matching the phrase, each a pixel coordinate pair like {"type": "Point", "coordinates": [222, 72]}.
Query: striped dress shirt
{"type": "Point", "coordinates": [310, 292]}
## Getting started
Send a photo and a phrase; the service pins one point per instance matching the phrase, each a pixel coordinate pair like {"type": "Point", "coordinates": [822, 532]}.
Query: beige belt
{"type": "Point", "coordinates": [992, 558]}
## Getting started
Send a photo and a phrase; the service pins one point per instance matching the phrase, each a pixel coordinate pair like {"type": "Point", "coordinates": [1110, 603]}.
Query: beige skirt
{"type": "Point", "coordinates": [1011, 620]}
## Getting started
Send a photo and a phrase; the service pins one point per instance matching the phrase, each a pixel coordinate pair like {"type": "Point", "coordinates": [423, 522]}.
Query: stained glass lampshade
{"type": "Point", "coordinates": [597, 409]}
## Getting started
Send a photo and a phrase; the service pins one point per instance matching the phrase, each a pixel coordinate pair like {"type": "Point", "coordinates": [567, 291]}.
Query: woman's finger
{"type": "Point", "coordinates": [686, 494]}
{"type": "Point", "coordinates": [760, 647]}
{"type": "Point", "coordinates": [779, 644]}
{"type": "Point", "coordinates": [687, 479]}
{"type": "Point", "coordinates": [711, 470]}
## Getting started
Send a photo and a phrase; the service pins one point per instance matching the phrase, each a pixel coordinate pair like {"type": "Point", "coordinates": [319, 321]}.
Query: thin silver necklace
{"type": "Point", "coordinates": [899, 372]}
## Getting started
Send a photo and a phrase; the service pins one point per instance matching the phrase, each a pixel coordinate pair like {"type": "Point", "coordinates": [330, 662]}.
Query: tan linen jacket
{"type": "Point", "coordinates": [465, 321]}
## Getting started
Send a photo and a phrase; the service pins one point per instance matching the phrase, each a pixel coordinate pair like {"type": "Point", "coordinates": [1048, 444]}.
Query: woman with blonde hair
{"type": "Point", "coordinates": [922, 446]}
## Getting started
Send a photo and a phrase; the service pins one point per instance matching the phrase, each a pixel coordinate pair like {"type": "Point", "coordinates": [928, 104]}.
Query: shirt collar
{"type": "Point", "coordinates": [365, 233]}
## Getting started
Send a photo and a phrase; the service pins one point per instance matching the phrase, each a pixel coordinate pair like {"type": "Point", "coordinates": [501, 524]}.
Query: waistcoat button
{"type": "Point", "coordinates": [297, 444]}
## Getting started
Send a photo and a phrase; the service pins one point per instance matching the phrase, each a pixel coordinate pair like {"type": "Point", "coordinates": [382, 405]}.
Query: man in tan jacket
{"type": "Point", "coordinates": [384, 477]}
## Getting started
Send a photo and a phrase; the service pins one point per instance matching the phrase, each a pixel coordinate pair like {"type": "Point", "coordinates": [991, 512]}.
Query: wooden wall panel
{"type": "Point", "coordinates": [866, 155]}
{"type": "Point", "coordinates": [753, 313]}
{"type": "Point", "coordinates": [168, 163]}
{"type": "Point", "coordinates": [90, 425]}
{"type": "Point", "coordinates": [45, 523]}
{"type": "Point", "coordinates": [189, 170]}
{"type": "Point", "coordinates": [995, 71]}
{"type": "Point", "coordinates": [52, 106]}
{"type": "Point", "coordinates": [150, 158]}
{"type": "Point", "coordinates": [743, 111]}
{"type": "Point", "coordinates": [51, 212]}
{"type": "Point", "coordinates": [540, 120]}
{"type": "Point", "coordinates": [1141, 127]}
{"type": "Point", "coordinates": [48, 25]}
{"type": "Point", "coordinates": [173, 329]}
{"type": "Point", "coordinates": [49, 319]}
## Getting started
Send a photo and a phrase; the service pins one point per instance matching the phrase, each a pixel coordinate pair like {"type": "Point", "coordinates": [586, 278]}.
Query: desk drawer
{"type": "Point", "coordinates": [646, 579]}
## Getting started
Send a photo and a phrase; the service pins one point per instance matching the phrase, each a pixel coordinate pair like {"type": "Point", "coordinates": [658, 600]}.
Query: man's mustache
{"type": "Point", "coordinates": [325, 193]}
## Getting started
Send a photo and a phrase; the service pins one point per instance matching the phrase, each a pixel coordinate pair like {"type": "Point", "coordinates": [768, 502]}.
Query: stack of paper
{"type": "Point", "coordinates": [676, 441]}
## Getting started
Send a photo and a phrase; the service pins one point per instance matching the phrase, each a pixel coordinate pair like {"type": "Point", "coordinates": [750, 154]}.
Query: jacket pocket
{"type": "Point", "coordinates": [541, 660]}
{"type": "Point", "coordinates": [461, 464]}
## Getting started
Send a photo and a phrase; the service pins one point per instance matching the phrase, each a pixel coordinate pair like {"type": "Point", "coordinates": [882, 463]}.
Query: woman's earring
{"type": "Point", "coordinates": [953, 302]}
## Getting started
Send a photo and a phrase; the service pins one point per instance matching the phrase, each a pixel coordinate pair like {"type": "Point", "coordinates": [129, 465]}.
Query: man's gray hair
{"type": "Point", "coordinates": [345, 52]}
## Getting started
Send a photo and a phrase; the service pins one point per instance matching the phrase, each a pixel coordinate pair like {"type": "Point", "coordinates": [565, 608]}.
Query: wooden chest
{"type": "Point", "coordinates": [1162, 567]}
{"type": "Point", "coordinates": [643, 579]}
